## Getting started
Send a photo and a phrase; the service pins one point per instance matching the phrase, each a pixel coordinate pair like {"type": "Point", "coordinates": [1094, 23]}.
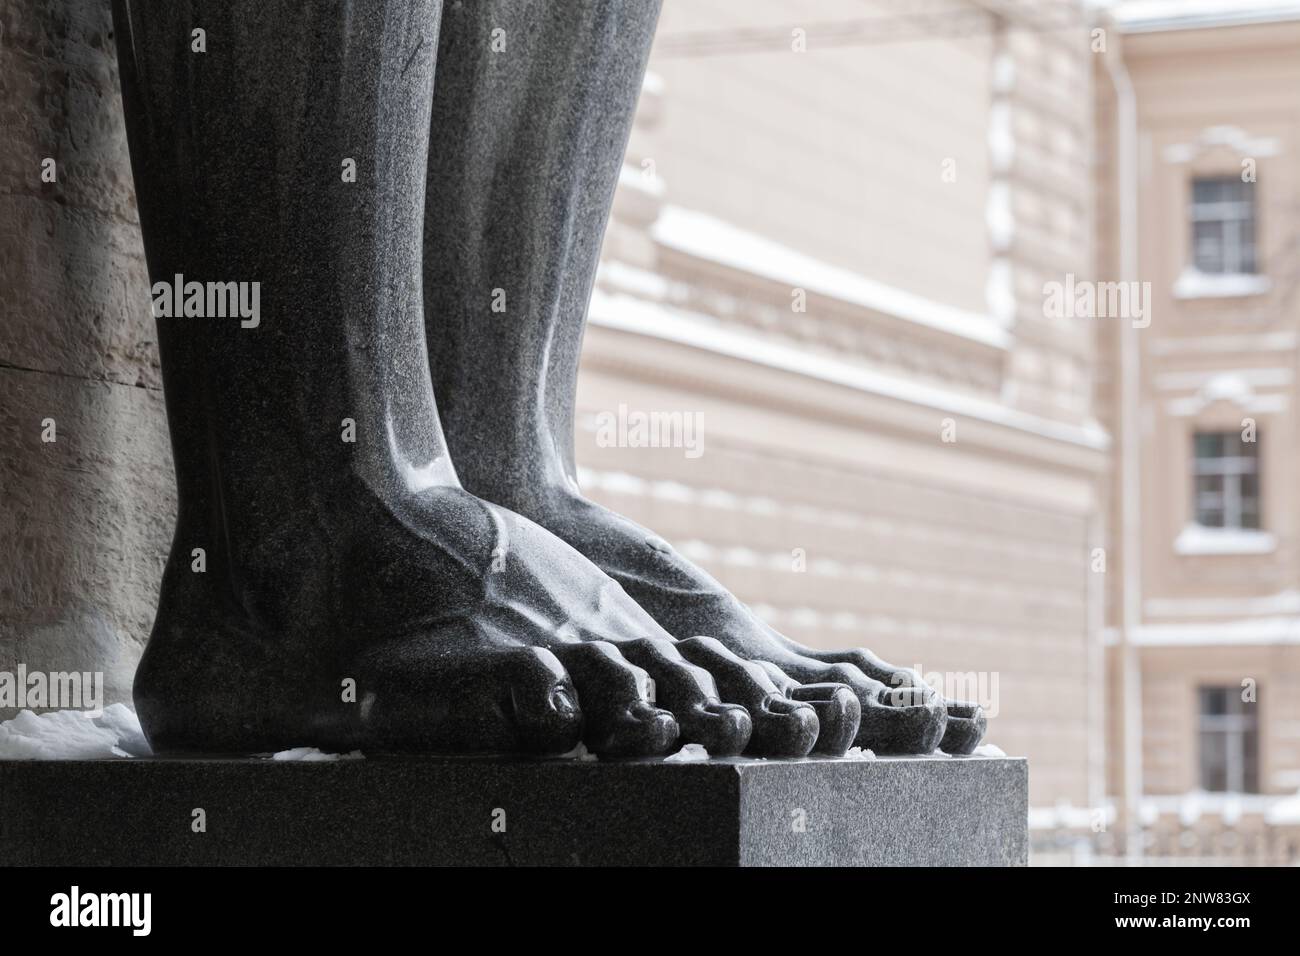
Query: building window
{"type": "Point", "coordinates": [1229, 730]}
{"type": "Point", "coordinates": [1225, 476]}
{"type": "Point", "coordinates": [1223, 225]}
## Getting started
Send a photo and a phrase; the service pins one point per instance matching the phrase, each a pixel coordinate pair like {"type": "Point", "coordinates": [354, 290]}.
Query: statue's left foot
{"type": "Point", "coordinates": [900, 713]}
{"type": "Point", "coordinates": [966, 721]}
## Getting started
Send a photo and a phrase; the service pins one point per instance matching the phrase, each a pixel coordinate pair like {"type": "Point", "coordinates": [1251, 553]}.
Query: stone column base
{"type": "Point", "coordinates": [920, 811]}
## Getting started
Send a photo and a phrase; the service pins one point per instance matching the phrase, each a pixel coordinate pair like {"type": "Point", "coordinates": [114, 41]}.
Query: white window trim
{"type": "Point", "coordinates": [1192, 283]}
{"type": "Point", "coordinates": [1196, 539]}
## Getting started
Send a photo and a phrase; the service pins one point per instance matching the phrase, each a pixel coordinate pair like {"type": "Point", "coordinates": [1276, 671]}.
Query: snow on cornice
{"type": "Point", "coordinates": [638, 316]}
{"type": "Point", "coordinates": [1154, 16]}
{"type": "Point", "coordinates": [704, 237]}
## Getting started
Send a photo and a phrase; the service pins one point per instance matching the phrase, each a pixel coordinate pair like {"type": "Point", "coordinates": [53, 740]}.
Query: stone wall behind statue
{"type": "Point", "coordinates": [85, 518]}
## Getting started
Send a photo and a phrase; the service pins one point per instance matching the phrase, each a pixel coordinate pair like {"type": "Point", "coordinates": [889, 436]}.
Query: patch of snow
{"type": "Point", "coordinates": [672, 491]}
{"type": "Point", "coordinates": [641, 180]}
{"type": "Point", "coordinates": [1285, 812]}
{"type": "Point", "coordinates": [1147, 16]}
{"type": "Point", "coordinates": [741, 557]}
{"type": "Point", "coordinates": [313, 754]}
{"type": "Point", "coordinates": [691, 753]}
{"type": "Point", "coordinates": [988, 750]}
{"type": "Point", "coordinates": [1218, 345]}
{"type": "Point", "coordinates": [1000, 286]}
{"type": "Point", "coordinates": [1282, 602]}
{"type": "Point", "coordinates": [121, 720]}
{"type": "Point", "coordinates": [1254, 631]}
{"type": "Point", "coordinates": [999, 220]}
{"type": "Point", "coordinates": [621, 277]}
{"type": "Point", "coordinates": [580, 753]}
{"type": "Point", "coordinates": [1042, 818]}
{"type": "Point", "coordinates": [670, 324]}
{"type": "Point", "coordinates": [1227, 387]}
{"type": "Point", "coordinates": [804, 617]}
{"type": "Point", "coordinates": [614, 482]}
{"type": "Point", "coordinates": [1196, 539]}
{"type": "Point", "coordinates": [860, 753]}
{"type": "Point", "coordinates": [1149, 813]}
{"type": "Point", "coordinates": [1231, 811]}
{"type": "Point", "coordinates": [1004, 73]}
{"type": "Point", "coordinates": [1070, 817]}
{"type": "Point", "coordinates": [1194, 284]}
{"type": "Point", "coordinates": [73, 735]}
{"type": "Point", "coordinates": [706, 237]}
{"type": "Point", "coordinates": [1233, 137]}
{"type": "Point", "coordinates": [1198, 804]}
{"type": "Point", "coordinates": [1190, 809]}
{"type": "Point", "coordinates": [1243, 379]}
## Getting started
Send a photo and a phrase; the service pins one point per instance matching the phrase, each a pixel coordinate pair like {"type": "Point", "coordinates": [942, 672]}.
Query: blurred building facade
{"type": "Point", "coordinates": [836, 242]}
{"type": "Point", "coordinates": [1200, 129]}
{"type": "Point", "coordinates": [832, 250]}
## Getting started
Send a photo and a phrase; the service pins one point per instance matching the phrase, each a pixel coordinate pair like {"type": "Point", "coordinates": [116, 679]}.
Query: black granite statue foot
{"type": "Point", "coordinates": [330, 582]}
{"type": "Point", "coordinates": [517, 200]}
{"type": "Point", "coordinates": [899, 712]}
{"type": "Point", "coordinates": [512, 650]}
{"type": "Point", "coordinates": [492, 637]}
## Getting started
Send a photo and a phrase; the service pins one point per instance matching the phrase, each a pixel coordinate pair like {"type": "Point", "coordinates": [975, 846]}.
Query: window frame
{"type": "Point", "coordinates": [1238, 233]}
{"type": "Point", "coordinates": [1229, 471]}
{"type": "Point", "coordinates": [1239, 727]}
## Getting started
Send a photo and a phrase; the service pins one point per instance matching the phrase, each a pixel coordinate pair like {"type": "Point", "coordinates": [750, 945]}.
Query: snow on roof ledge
{"type": "Point", "coordinates": [638, 316]}
{"type": "Point", "coordinates": [1249, 632]}
{"type": "Point", "coordinates": [1152, 16]}
{"type": "Point", "coordinates": [1189, 807]}
{"type": "Point", "coordinates": [1193, 284]}
{"type": "Point", "coordinates": [1196, 539]}
{"type": "Point", "coordinates": [701, 235]}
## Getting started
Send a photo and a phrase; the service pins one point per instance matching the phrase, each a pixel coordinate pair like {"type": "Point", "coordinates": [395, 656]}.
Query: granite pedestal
{"type": "Point", "coordinates": [410, 810]}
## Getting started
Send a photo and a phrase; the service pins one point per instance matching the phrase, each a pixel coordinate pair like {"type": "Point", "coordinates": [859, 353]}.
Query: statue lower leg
{"type": "Point", "coordinates": [331, 583]}
{"type": "Point", "coordinates": [517, 201]}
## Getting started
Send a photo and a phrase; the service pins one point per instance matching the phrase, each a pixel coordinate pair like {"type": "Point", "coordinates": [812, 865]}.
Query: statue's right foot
{"type": "Point", "coordinates": [427, 693]}
{"type": "Point", "coordinates": [445, 625]}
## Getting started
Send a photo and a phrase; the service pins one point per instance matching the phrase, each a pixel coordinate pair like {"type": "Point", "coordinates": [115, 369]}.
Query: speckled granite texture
{"type": "Point", "coordinates": [833, 812]}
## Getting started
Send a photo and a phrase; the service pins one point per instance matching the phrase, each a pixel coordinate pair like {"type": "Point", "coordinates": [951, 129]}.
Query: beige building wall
{"type": "Point", "coordinates": [1214, 609]}
{"type": "Point", "coordinates": [846, 145]}
{"type": "Point", "coordinates": [909, 463]}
